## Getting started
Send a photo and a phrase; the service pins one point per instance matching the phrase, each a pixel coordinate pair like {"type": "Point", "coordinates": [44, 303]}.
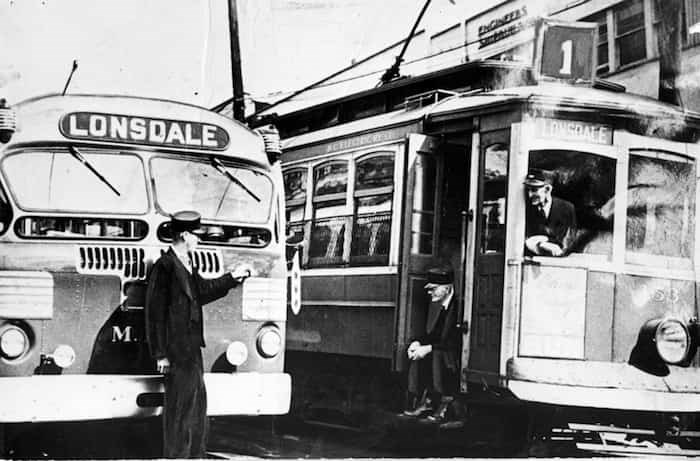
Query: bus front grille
{"type": "Point", "coordinates": [129, 262]}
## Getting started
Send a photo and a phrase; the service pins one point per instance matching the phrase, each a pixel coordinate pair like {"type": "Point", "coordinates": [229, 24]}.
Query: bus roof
{"type": "Point", "coordinates": [181, 126]}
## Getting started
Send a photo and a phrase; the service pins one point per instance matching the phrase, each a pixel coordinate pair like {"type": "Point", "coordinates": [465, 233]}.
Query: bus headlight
{"type": "Point", "coordinates": [672, 341]}
{"type": "Point", "coordinates": [236, 353]}
{"type": "Point", "coordinates": [269, 341]}
{"type": "Point", "coordinates": [14, 342]}
{"type": "Point", "coordinates": [63, 356]}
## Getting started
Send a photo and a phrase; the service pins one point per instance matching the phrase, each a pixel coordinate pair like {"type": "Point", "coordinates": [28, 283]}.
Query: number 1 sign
{"type": "Point", "coordinates": [565, 51]}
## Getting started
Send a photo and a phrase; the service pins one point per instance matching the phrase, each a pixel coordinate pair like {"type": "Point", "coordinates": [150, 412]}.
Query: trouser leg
{"type": "Point", "coordinates": [200, 424]}
{"type": "Point", "coordinates": [444, 378]}
{"type": "Point", "coordinates": [184, 412]}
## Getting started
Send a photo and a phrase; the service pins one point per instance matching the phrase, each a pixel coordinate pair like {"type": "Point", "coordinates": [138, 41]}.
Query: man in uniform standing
{"type": "Point", "coordinates": [174, 325]}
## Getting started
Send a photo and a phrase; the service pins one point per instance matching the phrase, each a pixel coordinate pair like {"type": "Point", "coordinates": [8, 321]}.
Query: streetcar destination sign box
{"type": "Point", "coordinates": [143, 130]}
{"type": "Point", "coordinates": [574, 131]}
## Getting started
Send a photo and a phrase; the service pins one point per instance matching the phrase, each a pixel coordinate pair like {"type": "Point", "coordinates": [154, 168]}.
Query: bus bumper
{"type": "Point", "coordinates": [608, 385]}
{"type": "Point", "coordinates": [90, 397]}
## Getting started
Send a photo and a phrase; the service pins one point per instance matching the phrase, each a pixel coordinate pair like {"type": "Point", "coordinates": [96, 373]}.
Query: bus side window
{"type": "Point", "coordinates": [588, 182]}
{"type": "Point", "coordinates": [660, 207]}
{"type": "Point", "coordinates": [5, 212]}
{"type": "Point", "coordinates": [327, 240]}
{"type": "Point", "coordinates": [374, 187]}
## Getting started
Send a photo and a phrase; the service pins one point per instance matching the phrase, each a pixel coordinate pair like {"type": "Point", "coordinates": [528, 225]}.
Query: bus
{"type": "Point", "coordinates": [601, 341]}
{"type": "Point", "coordinates": [87, 187]}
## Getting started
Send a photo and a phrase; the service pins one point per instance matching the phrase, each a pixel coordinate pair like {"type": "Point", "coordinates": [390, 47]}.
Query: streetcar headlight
{"type": "Point", "coordinates": [269, 341]}
{"type": "Point", "coordinates": [236, 353]}
{"type": "Point", "coordinates": [63, 356]}
{"type": "Point", "coordinates": [672, 341]}
{"type": "Point", "coordinates": [14, 342]}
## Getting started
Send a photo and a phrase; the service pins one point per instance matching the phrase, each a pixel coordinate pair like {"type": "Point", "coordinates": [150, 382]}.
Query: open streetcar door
{"type": "Point", "coordinates": [424, 171]}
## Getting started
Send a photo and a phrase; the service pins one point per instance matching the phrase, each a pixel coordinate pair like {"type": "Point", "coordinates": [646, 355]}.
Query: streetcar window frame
{"type": "Point", "coordinates": [642, 258]}
{"type": "Point", "coordinates": [347, 200]}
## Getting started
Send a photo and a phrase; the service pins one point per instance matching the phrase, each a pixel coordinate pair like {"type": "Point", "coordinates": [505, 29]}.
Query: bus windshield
{"type": "Point", "coordinates": [187, 184]}
{"type": "Point", "coordinates": [55, 180]}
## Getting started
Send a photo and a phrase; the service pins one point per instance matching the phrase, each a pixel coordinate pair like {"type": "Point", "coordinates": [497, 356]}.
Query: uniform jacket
{"type": "Point", "coordinates": [443, 335]}
{"type": "Point", "coordinates": [174, 300]}
{"type": "Point", "coordinates": [561, 221]}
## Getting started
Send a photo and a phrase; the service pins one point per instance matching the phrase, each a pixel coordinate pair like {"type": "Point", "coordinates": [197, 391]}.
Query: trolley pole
{"type": "Point", "coordinates": [236, 75]}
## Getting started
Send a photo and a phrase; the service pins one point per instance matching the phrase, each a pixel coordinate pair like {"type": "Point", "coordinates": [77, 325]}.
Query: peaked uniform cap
{"type": "Point", "coordinates": [536, 178]}
{"type": "Point", "coordinates": [440, 276]}
{"type": "Point", "coordinates": [182, 221]}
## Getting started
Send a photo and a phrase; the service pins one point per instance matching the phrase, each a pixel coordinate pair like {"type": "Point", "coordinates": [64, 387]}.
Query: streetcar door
{"type": "Point", "coordinates": [489, 253]}
{"type": "Point", "coordinates": [424, 171]}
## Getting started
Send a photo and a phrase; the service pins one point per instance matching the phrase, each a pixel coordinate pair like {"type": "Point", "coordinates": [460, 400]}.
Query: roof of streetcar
{"type": "Point", "coordinates": [38, 121]}
{"type": "Point", "coordinates": [546, 98]}
{"type": "Point", "coordinates": [563, 97]}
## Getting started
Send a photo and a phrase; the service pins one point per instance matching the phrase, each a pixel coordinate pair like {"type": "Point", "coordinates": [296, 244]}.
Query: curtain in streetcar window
{"type": "Point", "coordinates": [295, 199]}
{"type": "Point", "coordinates": [374, 186]}
{"type": "Point", "coordinates": [423, 214]}
{"type": "Point", "coordinates": [587, 181]}
{"type": "Point", "coordinates": [660, 206]}
{"type": "Point", "coordinates": [493, 207]}
{"type": "Point", "coordinates": [329, 214]}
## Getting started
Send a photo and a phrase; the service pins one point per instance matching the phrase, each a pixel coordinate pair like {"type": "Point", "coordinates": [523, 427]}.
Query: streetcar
{"type": "Point", "coordinates": [380, 188]}
{"type": "Point", "coordinates": [87, 187]}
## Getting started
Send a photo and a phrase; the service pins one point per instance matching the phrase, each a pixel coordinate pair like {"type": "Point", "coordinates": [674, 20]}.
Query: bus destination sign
{"type": "Point", "coordinates": [573, 130]}
{"type": "Point", "coordinates": [143, 130]}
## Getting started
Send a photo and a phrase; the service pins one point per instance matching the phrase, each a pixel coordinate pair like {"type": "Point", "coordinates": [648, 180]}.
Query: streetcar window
{"type": "Point", "coordinates": [295, 198]}
{"type": "Point", "coordinates": [184, 184]}
{"type": "Point", "coordinates": [423, 213]}
{"type": "Point", "coordinates": [327, 242]}
{"type": "Point", "coordinates": [587, 181]}
{"type": "Point", "coordinates": [630, 41]}
{"type": "Point", "coordinates": [493, 211]}
{"type": "Point", "coordinates": [660, 206]}
{"type": "Point", "coordinates": [374, 186]}
{"type": "Point", "coordinates": [56, 181]}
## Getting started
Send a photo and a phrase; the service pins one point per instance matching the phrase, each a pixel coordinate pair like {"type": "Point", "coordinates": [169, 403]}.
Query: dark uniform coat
{"type": "Point", "coordinates": [558, 226]}
{"type": "Point", "coordinates": [442, 333]}
{"type": "Point", "coordinates": [174, 329]}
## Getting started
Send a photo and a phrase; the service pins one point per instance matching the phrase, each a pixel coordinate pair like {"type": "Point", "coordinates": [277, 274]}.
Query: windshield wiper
{"type": "Point", "coordinates": [218, 166]}
{"type": "Point", "coordinates": [79, 157]}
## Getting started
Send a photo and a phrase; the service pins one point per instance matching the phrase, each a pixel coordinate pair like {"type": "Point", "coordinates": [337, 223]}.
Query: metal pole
{"type": "Point", "coordinates": [236, 75]}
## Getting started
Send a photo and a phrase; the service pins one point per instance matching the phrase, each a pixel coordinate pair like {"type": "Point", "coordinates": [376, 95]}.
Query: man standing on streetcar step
{"type": "Point", "coordinates": [433, 356]}
{"type": "Point", "coordinates": [174, 325]}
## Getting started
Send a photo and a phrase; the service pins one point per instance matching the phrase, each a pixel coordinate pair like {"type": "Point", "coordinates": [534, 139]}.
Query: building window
{"type": "Point", "coordinates": [295, 199]}
{"type": "Point", "coordinates": [374, 188]}
{"type": "Point", "coordinates": [327, 242]}
{"type": "Point", "coordinates": [603, 59]}
{"type": "Point", "coordinates": [630, 35]}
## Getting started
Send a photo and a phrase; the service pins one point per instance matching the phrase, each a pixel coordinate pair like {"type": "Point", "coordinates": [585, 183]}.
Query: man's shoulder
{"type": "Point", "coordinates": [165, 261]}
{"type": "Point", "coordinates": [562, 204]}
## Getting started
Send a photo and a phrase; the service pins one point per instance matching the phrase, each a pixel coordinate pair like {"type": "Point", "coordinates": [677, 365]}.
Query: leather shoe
{"type": "Point", "coordinates": [440, 413]}
{"type": "Point", "coordinates": [425, 407]}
